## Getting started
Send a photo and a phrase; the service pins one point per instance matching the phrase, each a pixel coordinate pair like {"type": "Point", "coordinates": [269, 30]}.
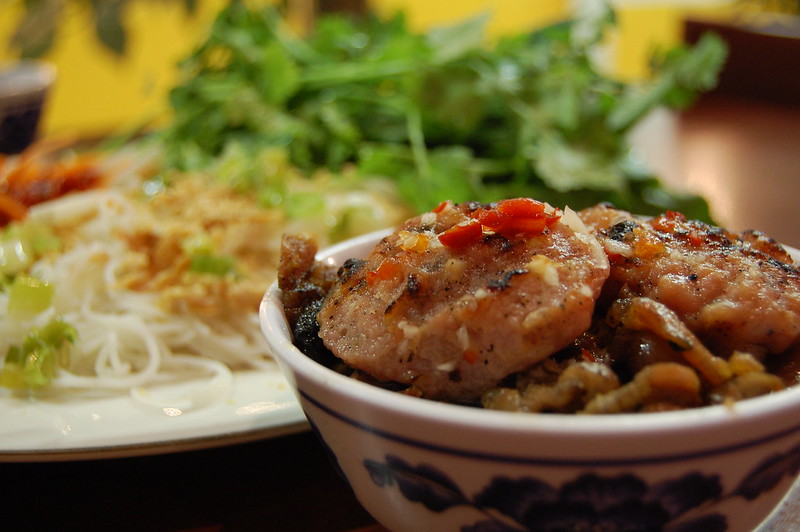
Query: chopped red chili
{"type": "Point", "coordinates": [512, 227]}
{"type": "Point", "coordinates": [511, 218]}
{"type": "Point", "coordinates": [442, 206]}
{"type": "Point", "coordinates": [520, 207]}
{"type": "Point", "coordinates": [35, 181]}
{"type": "Point", "coordinates": [516, 217]}
{"type": "Point", "coordinates": [462, 235]}
{"type": "Point", "coordinates": [11, 209]}
{"type": "Point", "coordinates": [488, 217]}
{"type": "Point", "coordinates": [695, 238]}
{"type": "Point", "coordinates": [667, 221]}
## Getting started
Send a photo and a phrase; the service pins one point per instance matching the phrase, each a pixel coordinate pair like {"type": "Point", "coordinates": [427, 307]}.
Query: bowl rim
{"type": "Point", "coordinates": [275, 329]}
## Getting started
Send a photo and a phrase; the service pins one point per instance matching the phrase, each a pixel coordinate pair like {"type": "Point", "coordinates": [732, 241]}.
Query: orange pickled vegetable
{"type": "Point", "coordinates": [386, 270]}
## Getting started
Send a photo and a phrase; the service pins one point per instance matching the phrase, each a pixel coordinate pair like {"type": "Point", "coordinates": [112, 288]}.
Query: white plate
{"type": "Point", "coordinates": [260, 405]}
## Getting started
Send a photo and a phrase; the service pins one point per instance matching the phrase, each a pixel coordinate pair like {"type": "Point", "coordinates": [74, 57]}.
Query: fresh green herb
{"type": "Point", "coordinates": [33, 364]}
{"type": "Point", "coordinates": [442, 114]}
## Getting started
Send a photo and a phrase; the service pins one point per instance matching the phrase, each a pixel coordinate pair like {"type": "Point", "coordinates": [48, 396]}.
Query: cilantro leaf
{"type": "Point", "coordinates": [445, 115]}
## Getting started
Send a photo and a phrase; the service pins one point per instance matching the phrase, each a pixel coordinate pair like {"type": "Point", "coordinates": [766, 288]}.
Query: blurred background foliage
{"type": "Point", "coordinates": [117, 59]}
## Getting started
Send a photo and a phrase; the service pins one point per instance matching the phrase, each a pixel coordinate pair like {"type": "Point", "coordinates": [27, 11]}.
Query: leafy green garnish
{"type": "Point", "coordinates": [443, 114]}
{"type": "Point", "coordinates": [33, 364]}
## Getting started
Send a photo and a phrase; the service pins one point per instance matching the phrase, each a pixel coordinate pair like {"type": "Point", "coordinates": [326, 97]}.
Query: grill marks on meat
{"type": "Point", "coordinates": [736, 292]}
{"type": "Point", "coordinates": [301, 278]}
{"type": "Point", "coordinates": [452, 323]}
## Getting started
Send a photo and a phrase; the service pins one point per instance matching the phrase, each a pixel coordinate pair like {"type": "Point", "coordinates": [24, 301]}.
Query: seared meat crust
{"type": "Point", "coordinates": [735, 292]}
{"type": "Point", "coordinates": [303, 280]}
{"type": "Point", "coordinates": [452, 322]}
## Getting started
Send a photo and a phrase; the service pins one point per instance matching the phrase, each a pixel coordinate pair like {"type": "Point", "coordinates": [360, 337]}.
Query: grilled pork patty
{"type": "Point", "coordinates": [736, 292]}
{"type": "Point", "coordinates": [457, 299]}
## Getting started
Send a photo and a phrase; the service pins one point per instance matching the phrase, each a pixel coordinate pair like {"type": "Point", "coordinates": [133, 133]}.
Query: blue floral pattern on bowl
{"type": "Point", "coordinates": [621, 503]}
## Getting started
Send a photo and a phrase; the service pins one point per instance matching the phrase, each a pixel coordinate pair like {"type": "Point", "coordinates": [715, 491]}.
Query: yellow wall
{"type": "Point", "coordinates": [98, 93]}
{"type": "Point", "coordinates": [507, 15]}
{"type": "Point", "coordinates": [644, 26]}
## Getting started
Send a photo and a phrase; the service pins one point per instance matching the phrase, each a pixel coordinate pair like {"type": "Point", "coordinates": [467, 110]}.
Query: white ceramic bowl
{"type": "Point", "coordinates": [419, 465]}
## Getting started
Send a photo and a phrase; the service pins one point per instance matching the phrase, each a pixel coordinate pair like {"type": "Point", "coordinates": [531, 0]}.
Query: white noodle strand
{"type": "Point", "coordinates": [126, 339]}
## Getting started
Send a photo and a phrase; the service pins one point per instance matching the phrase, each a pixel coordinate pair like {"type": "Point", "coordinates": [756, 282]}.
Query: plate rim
{"type": "Point", "coordinates": [166, 446]}
{"type": "Point", "coordinates": [202, 434]}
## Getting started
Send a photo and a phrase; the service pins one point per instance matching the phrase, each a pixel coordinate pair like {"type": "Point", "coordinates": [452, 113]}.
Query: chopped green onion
{"type": "Point", "coordinates": [22, 243]}
{"type": "Point", "coordinates": [33, 364]}
{"type": "Point", "coordinates": [43, 241]}
{"type": "Point", "coordinates": [203, 258]}
{"type": "Point", "coordinates": [14, 258]}
{"type": "Point", "coordinates": [213, 264]}
{"type": "Point", "coordinates": [198, 244]}
{"type": "Point", "coordinates": [28, 296]}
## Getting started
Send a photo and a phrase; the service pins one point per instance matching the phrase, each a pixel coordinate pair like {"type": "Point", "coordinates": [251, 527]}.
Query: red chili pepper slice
{"type": "Point", "coordinates": [488, 217]}
{"type": "Point", "coordinates": [512, 218]}
{"type": "Point", "coordinates": [512, 227]}
{"type": "Point", "coordinates": [520, 207]}
{"type": "Point", "coordinates": [462, 235]}
{"type": "Point", "coordinates": [553, 218]}
{"type": "Point", "coordinates": [696, 238]}
{"type": "Point", "coordinates": [442, 206]}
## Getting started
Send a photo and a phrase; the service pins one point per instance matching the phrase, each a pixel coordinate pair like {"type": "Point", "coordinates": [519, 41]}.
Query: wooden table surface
{"type": "Point", "coordinates": [744, 156]}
